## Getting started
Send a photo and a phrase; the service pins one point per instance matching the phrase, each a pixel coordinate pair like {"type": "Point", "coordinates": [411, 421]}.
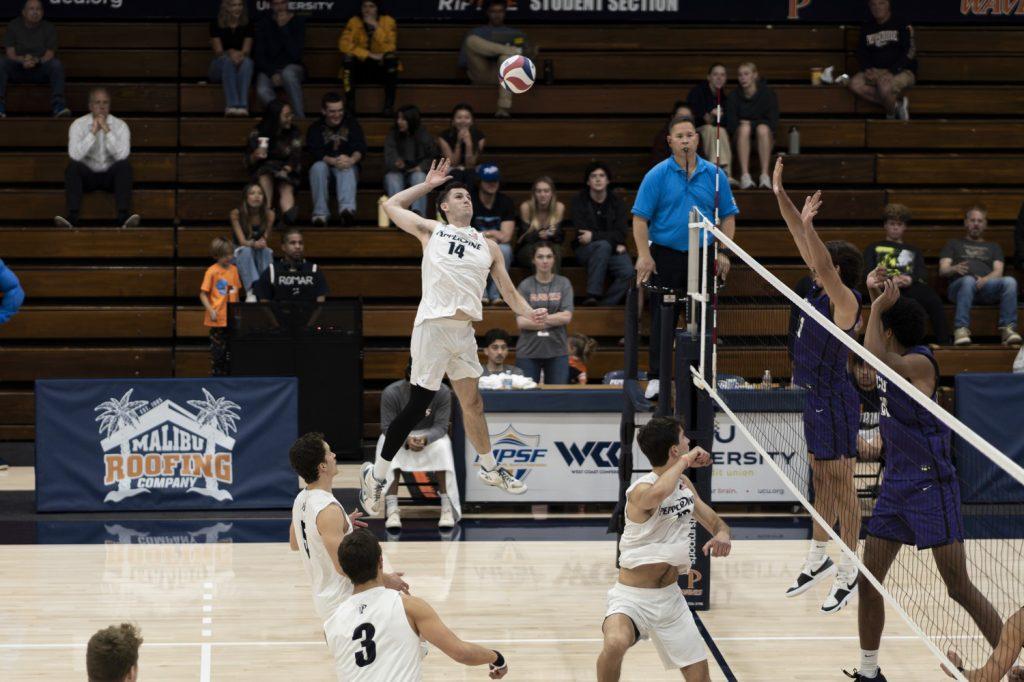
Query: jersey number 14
{"type": "Point", "coordinates": [456, 249]}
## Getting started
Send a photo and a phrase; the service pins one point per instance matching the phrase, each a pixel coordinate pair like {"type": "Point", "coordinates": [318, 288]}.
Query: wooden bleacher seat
{"type": "Point", "coordinates": [949, 169]}
{"type": "Point", "coordinates": [154, 205]}
{"type": "Point", "coordinates": [90, 322]}
{"type": "Point", "coordinates": [87, 243]}
{"type": "Point", "coordinates": [950, 203]}
{"type": "Point", "coordinates": [137, 34]}
{"type": "Point", "coordinates": [98, 282]}
{"type": "Point", "coordinates": [125, 98]}
{"type": "Point", "coordinates": [50, 132]}
{"type": "Point", "coordinates": [945, 134]}
{"type": "Point", "coordinates": [130, 64]}
{"type": "Point", "coordinates": [23, 363]}
{"type": "Point", "coordinates": [17, 168]}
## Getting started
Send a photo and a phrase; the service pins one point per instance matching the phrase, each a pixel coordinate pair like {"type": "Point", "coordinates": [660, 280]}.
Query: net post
{"type": "Point", "coordinates": [632, 402]}
{"type": "Point", "coordinates": [693, 270]}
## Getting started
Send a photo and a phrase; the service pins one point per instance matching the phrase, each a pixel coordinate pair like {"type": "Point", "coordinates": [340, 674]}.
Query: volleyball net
{"type": "Point", "coordinates": [952, 595]}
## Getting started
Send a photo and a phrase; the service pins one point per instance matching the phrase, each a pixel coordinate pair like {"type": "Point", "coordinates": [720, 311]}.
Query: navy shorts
{"type": "Point", "coordinates": [831, 424]}
{"type": "Point", "coordinates": [923, 513]}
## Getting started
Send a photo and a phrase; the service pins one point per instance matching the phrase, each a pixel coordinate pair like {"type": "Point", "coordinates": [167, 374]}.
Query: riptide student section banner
{"type": "Point", "coordinates": [160, 444]}
{"type": "Point", "coordinates": [952, 12]}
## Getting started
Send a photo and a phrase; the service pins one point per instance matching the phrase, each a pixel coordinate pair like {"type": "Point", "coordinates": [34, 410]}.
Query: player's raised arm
{"type": "Point", "coordinates": [790, 214]}
{"type": "Point", "coordinates": [847, 307]}
{"type": "Point", "coordinates": [649, 497]}
{"type": "Point", "coordinates": [720, 543]}
{"type": "Point", "coordinates": [508, 291]}
{"type": "Point", "coordinates": [397, 206]}
{"type": "Point", "coordinates": [915, 368]}
{"type": "Point", "coordinates": [430, 627]}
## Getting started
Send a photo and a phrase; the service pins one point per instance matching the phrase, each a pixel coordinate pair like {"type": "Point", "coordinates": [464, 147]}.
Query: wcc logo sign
{"type": "Point", "coordinates": [160, 444]}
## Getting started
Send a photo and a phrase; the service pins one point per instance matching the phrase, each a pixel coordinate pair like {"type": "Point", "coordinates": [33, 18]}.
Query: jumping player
{"type": "Point", "coordinates": [1000, 663]}
{"type": "Point", "coordinates": [320, 521]}
{"type": "Point", "coordinates": [456, 262]}
{"type": "Point", "coordinates": [919, 499]}
{"type": "Point", "coordinates": [654, 550]}
{"type": "Point", "coordinates": [375, 635]}
{"type": "Point", "coordinates": [831, 406]}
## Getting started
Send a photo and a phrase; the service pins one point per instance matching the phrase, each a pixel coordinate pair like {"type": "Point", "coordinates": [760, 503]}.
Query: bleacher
{"type": "Point", "coordinates": [103, 301]}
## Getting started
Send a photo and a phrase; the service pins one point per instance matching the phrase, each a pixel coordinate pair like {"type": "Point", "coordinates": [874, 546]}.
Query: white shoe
{"type": "Point", "coordinates": [746, 182]}
{"type": "Point", "coordinates": [843, 588]}
{"type": "Point", "coordinates": [250, 297]}
{"type": "Point", "coordinates": [133, 220]}
{"type": "Point", "coordinates": [394, 521]}
{"type": "Point", "coordinates": [501, 478]}
{"type": "Point", "coordinates": [653, 388]}
{"type": "Point", "coordinates": [447, 519]}
{"type": "Point", "coordinates": [810, 575]}
{"type": "Point", "coordinates": [766, 182]}
{"type": "Point", "coordinates": [903, 109]}
{"type": "Point", "coordinates": [371, 491]}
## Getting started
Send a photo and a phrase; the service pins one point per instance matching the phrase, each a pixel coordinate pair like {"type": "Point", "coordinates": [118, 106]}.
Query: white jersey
{"type": "Point", "coordinates": [456, 262]}
{"type": "Point", "coordinates": [330, 588]}
{"type": "Point", "coordinates": [371, 639]}
{"type": "Point", "coordinates": [666, 537]}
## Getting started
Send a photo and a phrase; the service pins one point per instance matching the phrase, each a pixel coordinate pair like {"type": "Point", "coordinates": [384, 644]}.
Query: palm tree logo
{"type": "Point", "coordinates": [214, 415]}
{"type": "Point", "coordinates": [116, 415]}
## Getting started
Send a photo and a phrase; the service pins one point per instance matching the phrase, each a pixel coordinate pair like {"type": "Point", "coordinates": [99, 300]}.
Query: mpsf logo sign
{"type": "Point", "coordinates": [519, 452]}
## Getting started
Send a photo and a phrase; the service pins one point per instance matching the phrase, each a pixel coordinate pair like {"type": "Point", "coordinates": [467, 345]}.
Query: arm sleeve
{"type": "Point", "coordinates": [315, 146]}
{"type": "Point", "coordinates": [259, 48]}
{"type": "Point", "coordinates": [387, 34]}
{"type": "Point", "coordinates": [647, 196]}
{"type": "Point", "coordinates": [440, 414]}
{"type": "Point", "coordinates": [908, 49]}
{"type": "Point", "coordinates": [920, 271]}
{"type": "Point", "coordinates": [870, 259]}
{"type": "Point", "coordinates": [51, 37]}
{"type": "Point", "coordinates": [347, 43]}
{"type": "Point", "coordinates": [693, 101]}
{"type": "Point", "coordinates": [262, 288]}
{"type": "Point", "coordinates": [1018, 239]}
{"type": "Point", "coordinates": [997, 252]}
{"type": "Point", "coordinates": [773, 109]}
{"type": "Point", "coordinates": [390, 151]}
{"type": "Point", "coordinates": [296, 39]}
{"type": "Point", "coordinates": [390, 406]}
{"type": "Point", "coordinates": [207, 285]}
{"type": "Point", "coordinates": [9, 35]}
{"type": "Point", "coordinates": [732, 112]}
{"type": "Point", "coordinates": [567, 294]}
{"type": "Point", "coordinates": [321, 284]}
{"type": "Point", "coordinates": [119, 140]}
{"type": "Point", "coordinates": [580, 213]}
{"type": "Point", "coordinates": [948, 251]}
{"type": "Point", "coordinates": [615, 229]}
{"type": "Point", "coordinates": [14, 295]}
{"type": "Point", "coordinates": [863, 55]}
{"type": "Point", "coordinates": [356, 137]}
{"type": "Point", "coordinates": [80, 139]}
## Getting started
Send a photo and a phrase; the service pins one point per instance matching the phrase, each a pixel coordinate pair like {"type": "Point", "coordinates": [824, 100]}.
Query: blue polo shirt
{"type": "Point", "coordinates": [666, 197]}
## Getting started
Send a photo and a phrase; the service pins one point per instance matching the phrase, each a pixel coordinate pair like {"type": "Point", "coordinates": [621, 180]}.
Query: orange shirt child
{"type": "Point", "coordinates": [220, 285]}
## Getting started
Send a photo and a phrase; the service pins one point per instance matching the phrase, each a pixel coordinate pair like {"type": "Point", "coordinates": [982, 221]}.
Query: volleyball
{"type": "Point", "coordinates": [517, 74]}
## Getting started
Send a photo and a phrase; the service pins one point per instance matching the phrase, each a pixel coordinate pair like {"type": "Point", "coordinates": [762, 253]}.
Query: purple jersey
{"type": "Point", "coordinates": [819, 358]}
{"type": "Point", "coordinates": [916, 442]}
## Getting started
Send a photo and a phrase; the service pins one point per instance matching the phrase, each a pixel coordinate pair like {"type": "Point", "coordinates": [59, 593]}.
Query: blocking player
{"type": "Point", "coordinates": [456, 262]}
{"type": "Point", "coordinates": [1000, 663]}
{"type": "Point", "coordinates": [319, 523]}
{"type": "Point", "coordinates": [646, 601]}
{"type": "Point", "coordinates": [831, 406]}
{"type": "Point", "coordinates": [919, 499]}
{"type": "Point", "coordinates": [375, 635]}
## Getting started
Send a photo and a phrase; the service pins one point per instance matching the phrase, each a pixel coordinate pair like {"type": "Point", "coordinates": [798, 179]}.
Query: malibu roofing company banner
{"type": "Point", "coordinates": [159, 444]}
{"type": "Point", "coordinates": [549, 11]}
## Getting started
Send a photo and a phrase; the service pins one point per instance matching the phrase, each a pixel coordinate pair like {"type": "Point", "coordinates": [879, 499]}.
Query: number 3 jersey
{"type": "Point", "coordinates": [371, 639]}
{"type": "Point", "coordinates": [330, 588]}
{"type": "Point", "coordinates": [456, 262]}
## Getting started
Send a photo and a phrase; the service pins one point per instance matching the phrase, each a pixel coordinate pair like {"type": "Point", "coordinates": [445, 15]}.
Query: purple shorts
{"type": "Point", "coordinates": [831, 423]}
{"type": "Point", "coordinates": [923, 513]}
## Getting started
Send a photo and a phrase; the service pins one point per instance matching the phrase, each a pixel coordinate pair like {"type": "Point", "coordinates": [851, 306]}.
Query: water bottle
{"type": "Point", "coordinates": [766, 380]}
{"type": "Point", "coordinates": [506, 381]}
{"type": "Point", "coordinates": [794, 141]}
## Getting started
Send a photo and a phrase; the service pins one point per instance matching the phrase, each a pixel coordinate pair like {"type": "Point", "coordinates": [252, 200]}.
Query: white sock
{"type": "Point", "coordinates": [846, 566]}
{"type": "Point", "coordinates": [380, 469]}
{"type": "Point", "coordinates": [446, 502]}
{"type": "Point", "coordinates": [817, 551]}
{"type": "Point", "coordinates": [868, 663]}
{"type": "Point", "coordinates": [487, 460]}
{"type": "Point", "coordinates": [390, 504]}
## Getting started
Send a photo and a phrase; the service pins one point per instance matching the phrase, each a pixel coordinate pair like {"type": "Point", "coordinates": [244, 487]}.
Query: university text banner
{"type": "Point", "coordinates": [160, 444]}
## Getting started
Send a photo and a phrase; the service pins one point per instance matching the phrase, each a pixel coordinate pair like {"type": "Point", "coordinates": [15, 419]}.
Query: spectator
{"type": "Point", "coordinates": [13, 297]}
{"type": "Point", "coordinates": [581, 347]}
{"type": "Point", "coordinates": [540, 221]}
{"type": "Point", "coordinates": [408, 151]}
{"type": "Point", "coordinates": [496, 350]}
{"type": "Point", "coordinates": [975, 268]}
{"type": "Point", "coordinates": [231, 35]}
{"type": "Point", "coordinates": [220, 285]}
{"type": "Point", "coordinates": [544, 347]}
{"type": "Point", "coordinates": [661, 215]}
{"type": "Point", "coordinates": [252, 222]}
{"type": "Point", "coordinates": [292, 278]}
{"type": "Point", "coordinates": [280, 40]}
{"type": "Point", "coordinates": [869, 438]}
{"type": "Point", "coordinates": [703, 100]}
{"type": "Point", "coordinates": [888, 61]}
{"type": "Point", "coordinates": [905, 263]}
{"type": "Point", "coordinates": [752, 107]}
{"type": "Point", "coordinates": [428, 448]}
{"type": "Point", "coordinates": [369, 46]}
{"type": "Point", "coordinates": [336, 145]}
{"type": "Point", "coordinates": [486, 46]}
{"type": "Point", "coordinates": [112, 654]}
{"type": "Point", "coordinates": [274, 155]}
{"type": "Point", "coordinates": [494, 214]}
{"type": "Point", "coordinates": [601, 220]}
{"type": "Point", "coordinates": [659, 146]}
{"type": "Point", "coordinates": [31, 57]}
{"type": "Point", "coordinates": [99, 145]}
{"type": "Point", "coordinates": [462, 144]}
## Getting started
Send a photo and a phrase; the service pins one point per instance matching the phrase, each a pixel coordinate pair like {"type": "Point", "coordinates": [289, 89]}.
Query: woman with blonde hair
{"type": "Point", "coordinates": [231, 35]}
{"type": "Point", "coordinates": [252, 223]}
{"type": "Point", "coordinates": [540, 220]}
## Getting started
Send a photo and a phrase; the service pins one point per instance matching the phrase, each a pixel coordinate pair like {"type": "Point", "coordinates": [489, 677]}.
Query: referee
{"type": "Point", "coordinates": [661, 219]}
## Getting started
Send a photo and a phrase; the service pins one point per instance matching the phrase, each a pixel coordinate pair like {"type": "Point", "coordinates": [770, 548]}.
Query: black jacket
{"type": "Point", "coordinates": [887, 46]}
{"type": "Point", "coordinates": [346, 139]}
{"type": "Point", "coordinates": [275, 47]}
{"type": "Point", "coordinates": [611, 227]}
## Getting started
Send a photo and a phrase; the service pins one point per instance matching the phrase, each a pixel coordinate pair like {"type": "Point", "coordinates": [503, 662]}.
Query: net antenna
{"type": "Point", "coordinates": [1002, 569]}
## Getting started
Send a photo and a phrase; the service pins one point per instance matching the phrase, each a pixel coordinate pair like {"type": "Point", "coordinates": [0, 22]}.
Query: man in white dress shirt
{"type": "Point", "coordinates": [99, 145]}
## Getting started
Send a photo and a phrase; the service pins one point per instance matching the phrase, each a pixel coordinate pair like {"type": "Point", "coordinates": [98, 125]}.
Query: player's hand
{"type": "Point", "coordinates": [812, 205]}
{"type": "Point", "coordinates": [277, 80]}
{"type": "Point", "coordinates": [888, 297]}
{"type": "Point", "coordinates": [438, 173]}
{"type": "Point", "coordinates": [644, 269]}
{"type": "Point", "coordinates": [699, 457]}
{"type": "Point", "coordinates": [354, 517]}
{"type": "Point", "coordinates": [955, 659]}
{"type": "Point", "coordinates": [585, 237]}
{"type": "Point", "coordinates": [720, 545]}
{"type": "Point", "coordinates": [213, 316]}
{"type": "Point", "coordinates": [961, 268]}
{"type": "Point", "coordinates": [539, 316]}
{"type": "Point", "coordinates": [724, 265]}
{"type": "Point", "coordinates": [777, 176]}
{"type": "Point", "coordinates": [904, 281]}
{"type": "Point", "coordinates": [393, 581]}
